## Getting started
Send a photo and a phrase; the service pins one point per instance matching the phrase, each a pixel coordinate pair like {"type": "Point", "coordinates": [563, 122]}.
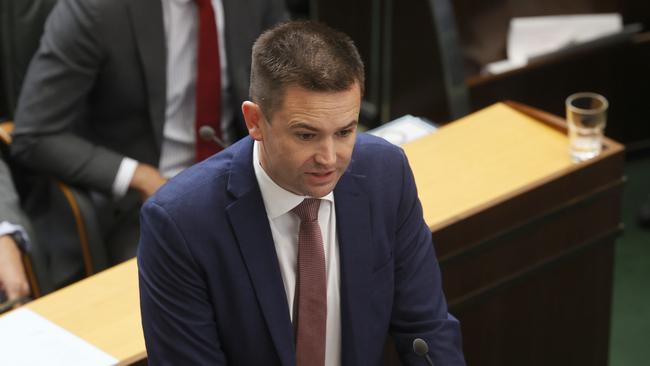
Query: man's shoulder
{"type": "Point", "coordinates": [380, 170]}
{"type": "Point", "coordinates": [205, 183]}
{"type": "Point", "coordinates": [370, 143]}
{"type": "Point", "coordinates": [372, 151]}
{"type": "Point", "coordinates": [193, 185]}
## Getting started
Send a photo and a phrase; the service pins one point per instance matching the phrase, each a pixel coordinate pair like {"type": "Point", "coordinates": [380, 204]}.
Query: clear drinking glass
{"type": "Point", "coordinates": [586, 115]}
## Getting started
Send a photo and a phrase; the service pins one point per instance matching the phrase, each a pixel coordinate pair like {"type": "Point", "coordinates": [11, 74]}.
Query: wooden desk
{"type": "Point", "coordinates": [103, 309]}
{"type": "Point", "coordinates": [525, 240]}
{"type": "Point", "coordinates": [524, 237]}
{"type": "Point", "coordinates": [491, 155]}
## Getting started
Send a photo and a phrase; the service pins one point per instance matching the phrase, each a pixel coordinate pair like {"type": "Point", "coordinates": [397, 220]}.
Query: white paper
{"type": "Point", "coordinates": [535, 36]}
{"type": "Point", "coordinates": [499, 67]}
{"type": "Point", "coordinates": [28, 339]}
{"type": "Point", "coordinates": [530, 37]}
{"type": "Point", "coordinates": [404, 129]}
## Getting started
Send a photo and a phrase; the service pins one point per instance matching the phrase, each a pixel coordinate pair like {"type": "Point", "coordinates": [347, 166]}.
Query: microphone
{"type": "Point", "coordinates": [421, 348]}
{"type": "Point", "coordinates": [207, 133]}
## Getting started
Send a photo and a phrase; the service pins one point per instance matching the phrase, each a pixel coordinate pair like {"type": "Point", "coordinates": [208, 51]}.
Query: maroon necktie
{"type": "Point", "coordinates": [311, 287]}
{"type": "Point", "coordinates": [208, 81]}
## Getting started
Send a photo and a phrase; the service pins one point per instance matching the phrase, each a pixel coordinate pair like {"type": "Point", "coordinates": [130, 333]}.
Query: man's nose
{"type": "Point", "coordinates": [326, 154]}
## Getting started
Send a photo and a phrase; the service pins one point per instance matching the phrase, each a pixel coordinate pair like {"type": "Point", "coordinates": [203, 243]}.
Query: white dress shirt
{"type": "Point", "coordinates": [284, 228]}
{"type": "Point", "coordinates": [7, 228]}
{"type": "Point", "coordinates": [178, 152]}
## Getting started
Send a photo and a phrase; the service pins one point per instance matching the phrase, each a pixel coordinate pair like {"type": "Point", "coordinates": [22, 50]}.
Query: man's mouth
{"type": "Point", "coordinates": [322, 174]}
{"type": "Point", "coordinates": [321, 177]}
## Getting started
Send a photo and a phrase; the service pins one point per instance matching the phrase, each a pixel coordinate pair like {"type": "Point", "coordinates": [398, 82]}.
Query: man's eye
{"type": "Point", "coordinates": [305, 136]}
{"type": "Point", "coordinates": [345, 133]}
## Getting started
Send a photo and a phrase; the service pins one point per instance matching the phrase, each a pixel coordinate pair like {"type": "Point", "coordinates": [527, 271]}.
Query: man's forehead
{"type": "Point", "coordinates": [336, 105]}
{"type": "Point", "coordinates": [290, 96]}
{"type": "Point", "coordinates": [295, 94]}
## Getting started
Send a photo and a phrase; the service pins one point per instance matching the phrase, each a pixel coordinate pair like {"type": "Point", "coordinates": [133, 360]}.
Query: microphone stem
{"type": "Point", "coordinates": [429, 361]}
{"type": "Point", "coordinates": [218, 142]}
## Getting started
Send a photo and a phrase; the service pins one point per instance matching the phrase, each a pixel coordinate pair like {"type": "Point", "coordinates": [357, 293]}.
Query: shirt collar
{"type": "Point", "coordinates": [277, 200]}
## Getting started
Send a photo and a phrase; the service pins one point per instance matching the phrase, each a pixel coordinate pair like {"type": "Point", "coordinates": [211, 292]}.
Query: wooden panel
{"type": "Point", "coordinates": [505, 256]}
{"type": "Point", "coordinates": [557, 316]}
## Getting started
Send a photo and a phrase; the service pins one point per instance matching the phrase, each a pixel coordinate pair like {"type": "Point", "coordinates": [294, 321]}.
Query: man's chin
{"type": "Point", "coordinates": [320, 186]}
{"type": "Point", "coordinates": [319, 191]}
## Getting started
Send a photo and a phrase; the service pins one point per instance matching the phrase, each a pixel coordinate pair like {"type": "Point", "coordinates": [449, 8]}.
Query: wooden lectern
{"type": "Point", "coordinates": [525, 238]}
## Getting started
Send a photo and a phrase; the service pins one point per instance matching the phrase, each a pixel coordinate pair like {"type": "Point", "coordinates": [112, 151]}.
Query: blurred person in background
{"type": "Point", "coordinates": [13, 240]}
{"type": "Point", "coordinates": [115, 96]}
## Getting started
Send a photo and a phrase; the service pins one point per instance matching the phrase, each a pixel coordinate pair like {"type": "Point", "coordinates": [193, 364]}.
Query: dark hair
{"type": "Point", "coordinates": [306, 54]}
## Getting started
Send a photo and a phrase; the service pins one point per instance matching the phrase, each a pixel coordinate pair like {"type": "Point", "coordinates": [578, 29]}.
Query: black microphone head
{"type": "Point", "coordinates": [420, 347]}
{"type": "Point", "coordinates": [206, 133]}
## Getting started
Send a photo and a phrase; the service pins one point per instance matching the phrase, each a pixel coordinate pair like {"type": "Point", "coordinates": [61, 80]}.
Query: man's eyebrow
{"type": "Point", "coordinates": [303, 125]}
{"type": "Point", "coordinates": [350, 125]}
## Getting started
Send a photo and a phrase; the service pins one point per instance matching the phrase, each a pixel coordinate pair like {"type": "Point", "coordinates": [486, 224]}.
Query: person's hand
{"type": "Point", "coordinates": [147, 180]}
{"type": "Point", "coordinates": [13, 280]}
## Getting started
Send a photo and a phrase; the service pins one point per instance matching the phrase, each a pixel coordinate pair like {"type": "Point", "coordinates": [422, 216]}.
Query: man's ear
{"type": "Point", "coordinates": [253, 117]}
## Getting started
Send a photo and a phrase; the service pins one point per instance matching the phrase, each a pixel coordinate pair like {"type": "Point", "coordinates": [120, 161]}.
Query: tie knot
{"type": "Point", "coordinates": [307, 210]}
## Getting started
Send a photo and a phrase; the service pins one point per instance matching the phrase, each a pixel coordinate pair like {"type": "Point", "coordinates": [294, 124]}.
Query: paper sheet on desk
{"type": "Point", "coordinates": [530, 37]}
{"type": "Point", "coordinates": [404, 129]}
{"type": "Point", "coordinates": [28, 339]}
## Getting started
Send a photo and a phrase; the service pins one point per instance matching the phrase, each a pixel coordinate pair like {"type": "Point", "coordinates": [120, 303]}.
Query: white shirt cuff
{"type": "Point", "coordinates": [123, 177]}
{"type": "Point", "coordinates": [7, 228]}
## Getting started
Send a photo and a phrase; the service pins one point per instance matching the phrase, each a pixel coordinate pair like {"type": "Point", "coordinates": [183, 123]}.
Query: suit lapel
{"type": "Point", "coordinates": [147, 21]}
{"type": "Point", "coordinates": [248, 218]}
{"type": "Point", "coordinates": [354, 232]}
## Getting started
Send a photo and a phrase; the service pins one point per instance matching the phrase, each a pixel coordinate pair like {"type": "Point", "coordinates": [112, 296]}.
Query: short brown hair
{"type": "Point", "coordinates": [306, 54]}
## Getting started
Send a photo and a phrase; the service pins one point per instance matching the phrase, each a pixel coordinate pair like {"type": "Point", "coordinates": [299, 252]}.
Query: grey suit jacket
{"type": "Point", "coordinates": [95, 90]}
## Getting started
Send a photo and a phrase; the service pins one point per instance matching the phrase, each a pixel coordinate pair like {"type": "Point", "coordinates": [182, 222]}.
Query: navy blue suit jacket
{"type": "Point", "coordinates": [210, 285]}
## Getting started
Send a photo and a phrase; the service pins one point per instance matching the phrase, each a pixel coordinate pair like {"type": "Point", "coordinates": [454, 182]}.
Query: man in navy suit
{"type": "Point", "coordinates": [302, 244]}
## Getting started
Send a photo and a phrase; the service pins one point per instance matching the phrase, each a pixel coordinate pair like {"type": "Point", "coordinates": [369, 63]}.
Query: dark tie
{"type": "Point", "coordinates": [311, 288]}
{"type": "Point", "coordinates": [208, 81]}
